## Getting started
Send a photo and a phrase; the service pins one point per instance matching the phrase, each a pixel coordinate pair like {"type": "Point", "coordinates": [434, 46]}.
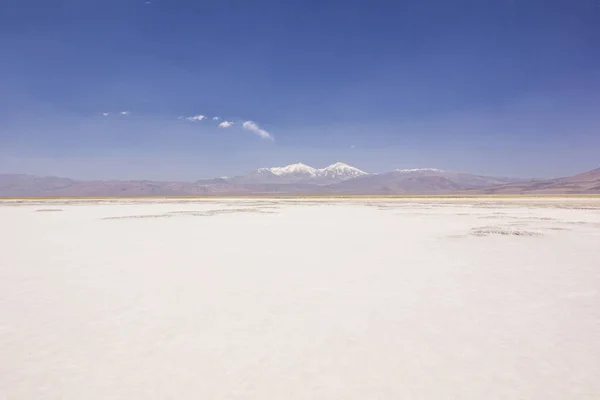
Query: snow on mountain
{"type": "Point", "coordinates": [299, 172]}
{"type": "Point", "coordinates": [294, 169]}
{"type": "Point", "coordinates": [340, 171]}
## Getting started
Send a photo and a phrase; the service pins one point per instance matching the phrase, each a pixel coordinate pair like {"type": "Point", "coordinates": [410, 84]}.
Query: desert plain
{"type": "Point", "coordinates": [258, 298]}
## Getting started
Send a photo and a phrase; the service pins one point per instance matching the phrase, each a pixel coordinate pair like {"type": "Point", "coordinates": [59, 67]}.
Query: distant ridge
{"type": "Point", "coordinates": [583, 183]}
{"type": "Point", "coordinates": [296, 179]}
{"type": "Point", "coordinates": [417, 181]}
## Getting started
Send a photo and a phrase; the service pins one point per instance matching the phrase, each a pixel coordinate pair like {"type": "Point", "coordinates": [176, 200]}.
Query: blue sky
{"type": "Point", "coordinates": [499, 87]}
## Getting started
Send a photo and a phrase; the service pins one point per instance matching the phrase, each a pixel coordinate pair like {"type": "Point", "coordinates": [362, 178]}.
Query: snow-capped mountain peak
{"type": "Point", "coordinates": [339, 164]}
{"type": "Point", "coordinates": [303, 173]}
{"type": "Point", "coordinates": [294, 169]}
{"type": "Point", "coordinates": [341, 170]}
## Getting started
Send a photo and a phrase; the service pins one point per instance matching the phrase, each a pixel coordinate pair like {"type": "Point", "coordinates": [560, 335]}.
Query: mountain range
{"type": "Point", "coordinates": [301, 173]}
{"type": "Point", "coordinates": [301, 179]}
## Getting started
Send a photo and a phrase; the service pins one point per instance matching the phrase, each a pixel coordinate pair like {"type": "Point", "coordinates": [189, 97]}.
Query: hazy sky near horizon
{"type": "Point", "coordinates": [106, 89]}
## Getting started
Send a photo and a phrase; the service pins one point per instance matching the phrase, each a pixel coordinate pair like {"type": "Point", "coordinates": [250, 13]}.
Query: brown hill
{"type": "Point", "coordinates": [584, 183]}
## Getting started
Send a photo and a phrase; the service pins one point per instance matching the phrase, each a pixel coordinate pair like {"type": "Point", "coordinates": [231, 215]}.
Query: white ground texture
{"type": "Point", "coordinates": [300, 299]}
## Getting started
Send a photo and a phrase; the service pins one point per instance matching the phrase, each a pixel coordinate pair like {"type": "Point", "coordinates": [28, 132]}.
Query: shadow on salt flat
{"type": "Point", "coordinates": [210, 213]}
{"type": "Point", "coordinates": [502, 231]}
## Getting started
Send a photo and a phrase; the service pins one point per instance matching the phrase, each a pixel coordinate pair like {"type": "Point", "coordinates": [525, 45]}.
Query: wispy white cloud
{"type": "Point", "coordinates": [254, 128]}
{"type": "Point", "coordinates": [196, 118]}
{"type": "Point", "coordinates": [216, 118]}
{"type": "Point", "coordinates": [105, 114]}
{"type": "Point", "coordinates": [125, 113]}
{"type": "Point", "coordinates": [225, 124]}
{"type": "Point", "coordinates": [352, 146]}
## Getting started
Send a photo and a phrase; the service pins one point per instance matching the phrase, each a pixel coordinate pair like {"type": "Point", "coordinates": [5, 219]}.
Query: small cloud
{"type": "Point", "coordinates": [216, 118]}
{"type": "Point", "coordinates": [196, 118]}
{"type": "Point", "coordinates": [352, 146]}
{"type": "Point", "coordinates": [225, 124]}
{"type": "Point", "coordinates": [105, 114]}
{"type": "Point", "coordinates": [254, 128]}
{"type": "Point", "coordinates": [125, 113]}
{"type": "Point", "coordinates": [181, 117]}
